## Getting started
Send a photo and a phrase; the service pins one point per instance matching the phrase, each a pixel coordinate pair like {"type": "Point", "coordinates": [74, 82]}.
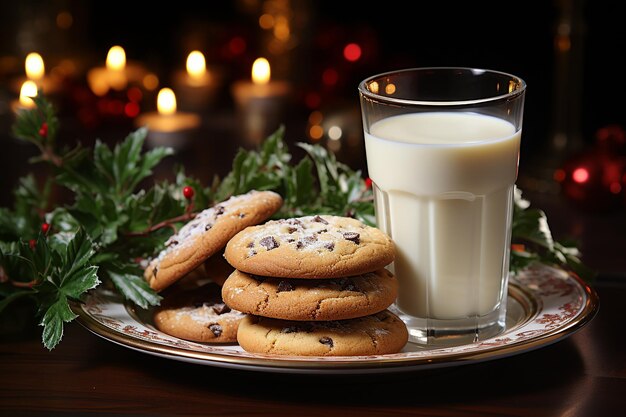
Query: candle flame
{"type": "Point", "coordinates": [116, 58]}
{"type": "Point", "coordinates": [166, 102]}
{"type": "Point", "coordinates": [196, 64]}
{"type": "Point", "coordinates": [28, 90]}
{"type": "Point", "coordinates": [34, 66]}
{"type": "Point", "coordinates": [261, 72]}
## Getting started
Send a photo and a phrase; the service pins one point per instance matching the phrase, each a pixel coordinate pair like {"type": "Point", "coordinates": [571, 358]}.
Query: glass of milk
{"type": "Point", "coordinates": [442, 148]}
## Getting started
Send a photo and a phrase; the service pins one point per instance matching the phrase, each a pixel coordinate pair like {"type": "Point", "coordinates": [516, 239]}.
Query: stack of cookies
{"type": "Point", "coordinates": [198, 313]}
{"type": "Point", "coordinates": [314, 285]}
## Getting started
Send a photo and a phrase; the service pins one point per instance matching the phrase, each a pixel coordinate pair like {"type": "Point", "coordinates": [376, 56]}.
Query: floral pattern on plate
{"type": "Point", "coordinates": [561, 304]}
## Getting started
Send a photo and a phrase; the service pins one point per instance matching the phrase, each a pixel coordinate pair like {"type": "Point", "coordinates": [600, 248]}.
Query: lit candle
{"type": "Point", "coordinates": [260, 103]}
{"type": "Point", "coordinates": [34, 67]}
{"type": "Point", "coordinates": [25, 101]}
{"type": "Point", "coordinates": [116, 74]}
{"type": "Point", "coordinates": [35, 70]}
{"type": "Point", "coordinates": [197, 86]}
{"type": "Point", "coordinates": [167, 126]}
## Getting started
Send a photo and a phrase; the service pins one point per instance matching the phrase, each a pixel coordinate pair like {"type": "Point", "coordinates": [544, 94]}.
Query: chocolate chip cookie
{"type": "Point", "coordinates": [207, 234]}
{"type": "Point", "coordinates": [311, 299]}
{"type": "Point", "coordinates": [199, 315]}
{"type": "Point", "coordinates": [377, 334]}
{"type": "Point", "coordinates": [310, 247]}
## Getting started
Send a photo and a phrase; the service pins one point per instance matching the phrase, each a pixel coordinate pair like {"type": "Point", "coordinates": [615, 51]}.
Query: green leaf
{"type": "Point", "coordinates": [130, 283]}
{"type": "Point", "coordinates": [29, 121]}
{"type": "Point", "coordinates": [149, 161]}
{"type": "Point", "coordinates": [303, 182]}
{"type": "Point", "coordinates": [57, 314]}
{"type": "Point", "coordinates": [80, 281]}
{"type": "Point", "coordinates": [79, 252]}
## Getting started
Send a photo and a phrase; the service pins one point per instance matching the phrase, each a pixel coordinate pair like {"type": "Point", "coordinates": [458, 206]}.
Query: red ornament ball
{"type": "Point", "coordinates": [593, 180]}
{"type": "Point", "coordinates": [188, 192]}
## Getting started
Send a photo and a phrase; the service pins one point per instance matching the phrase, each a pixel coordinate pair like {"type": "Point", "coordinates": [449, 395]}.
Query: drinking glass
{"type": "Point", "coordinates": [442, 148]}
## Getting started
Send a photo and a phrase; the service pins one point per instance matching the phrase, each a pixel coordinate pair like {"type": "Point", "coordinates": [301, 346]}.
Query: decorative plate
{"type": "Point", "coordinates": [544, 305]}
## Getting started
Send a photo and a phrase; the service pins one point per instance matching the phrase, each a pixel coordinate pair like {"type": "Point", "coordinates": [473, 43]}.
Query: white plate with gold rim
{"type": "Point", "coordinates": [545, 305]}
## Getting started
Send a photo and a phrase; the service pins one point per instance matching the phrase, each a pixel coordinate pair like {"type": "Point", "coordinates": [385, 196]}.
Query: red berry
{"type": "Point", "coordinates": [32, 243]}
{"type": "Point", "coordinates": [188, 192]}
{"type": "Point", "coordinates": [43, 130]}
{"type": "Point", "coordinates": [45, 227]}
{"type": "Point", "coordinates": [368, 183]}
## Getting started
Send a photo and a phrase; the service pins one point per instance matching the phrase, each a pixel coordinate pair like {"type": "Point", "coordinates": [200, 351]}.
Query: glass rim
{"type": "Point", "coordinates": [363, 88]}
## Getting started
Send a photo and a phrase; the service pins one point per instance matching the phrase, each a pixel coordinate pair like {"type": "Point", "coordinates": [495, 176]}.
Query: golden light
{"type": "Point", "coordinates": [266, 21]}
{"type": "Point", "coordinates": [261, 72]}
{"type": "Point", "coordinates": [116, 58]}
{"type": "Point", "coordinates": [373, 87]}
{"type": "Point", "coordinates": [150, 82]}
{"type": "Point", "coordinates": [390, 88]}
{"type": "Point", "coordinates": [316, 132]}
{"type": "Point", "coordinates": [28, 90]}
{"type": "Point", "coordinates": [196, 64]}
{"type": "Point", "coordinates": [34, 66]}
{"type": "Point", "coordinates": [281, 29]}
{"type": "Point", "coordinates": [166, 102]}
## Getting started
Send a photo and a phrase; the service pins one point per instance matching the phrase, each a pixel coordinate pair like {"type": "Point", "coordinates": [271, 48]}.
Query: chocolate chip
{"type": "Point", "coordinates": [310, 239]}
{"type": "Point", "coordinates": [250, 245]}
{"type": "Point", "coordinates": [221, 308]}
{"type": "Point", "coordinates": [319, 220]}
{"type": "Point", "coordinates": [219, 210]}
{"type": "Point", "coordinates": [269, 243]}
{"type": "Point", "coordinates": [293, 221]}
{"type": "Point", "coordinates": [299, 245]}
{"type": "Point", "coordinates": [251, 253]}
{"type": "Point", "coordinates": [291, 230]}
{"type": "Point", "coordinates": [326, 341]}
{"type": "Point", "coordinates": [330, 246]}
{"type": "Point", "coordinates": [291, 240]}
{"type": "Point", "coordinates": [216, 329]}
{"type": "Point", "coordinates": [154, 271]}
{"type": "Point", "coordinates": [319, 232]}
{"type": "Point", "coordinates": [285, 286]}
{"type": "Point", "coordinates": [171, 242]}
{"type": "Point", "coordinates": [353, 237]}
{"type": "Point", "coordinates": [348, 285]}
{"type": "Point", "coordinates": [242, 215]}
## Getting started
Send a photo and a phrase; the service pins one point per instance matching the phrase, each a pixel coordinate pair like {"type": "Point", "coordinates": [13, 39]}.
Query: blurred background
{"type": "Point", "coordinates": [571, 53]}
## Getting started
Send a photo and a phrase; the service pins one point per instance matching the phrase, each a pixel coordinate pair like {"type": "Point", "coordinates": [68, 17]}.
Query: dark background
{"type": "Point", "coordinates": [571, 53]}
{"type": "Point", "coordinates": [513, 37]}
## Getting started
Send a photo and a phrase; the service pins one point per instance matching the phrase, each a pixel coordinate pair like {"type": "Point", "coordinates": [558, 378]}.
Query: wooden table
{"type": "Point", "coordinates": [584, 375]}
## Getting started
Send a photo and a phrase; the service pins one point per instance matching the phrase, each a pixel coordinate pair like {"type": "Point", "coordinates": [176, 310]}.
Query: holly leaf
{"type": "Point", "coordinates": [76, 268]}
{"type": "Point", "coordinates": [129, 281]}
{"type": "Point", "coordinates": [56, 315]}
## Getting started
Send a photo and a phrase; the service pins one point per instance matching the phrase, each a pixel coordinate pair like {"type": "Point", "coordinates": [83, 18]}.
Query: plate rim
{"type": "Point", "coordinates": [270, 363]}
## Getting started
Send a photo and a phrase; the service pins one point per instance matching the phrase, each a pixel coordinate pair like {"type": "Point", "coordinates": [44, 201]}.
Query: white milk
{"type": "Point", "coordinates": [444, 194]}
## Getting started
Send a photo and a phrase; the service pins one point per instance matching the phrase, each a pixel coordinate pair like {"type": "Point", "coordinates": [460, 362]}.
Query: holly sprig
{"type": "Point", "coordinates": [124, 219]}
{"type": "Point", "coordinates": [119, 216]}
